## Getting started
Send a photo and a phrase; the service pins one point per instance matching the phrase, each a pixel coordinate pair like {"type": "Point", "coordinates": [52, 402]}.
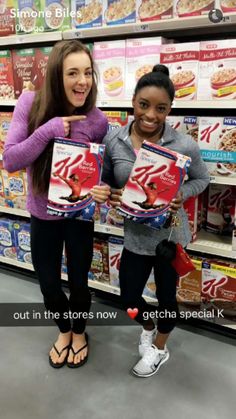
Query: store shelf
{"type": "Point", "coordinates": [17, 263]}
{"type": "Point", "coordinates": [183, 104]}
{"type": "Point", "coordinates": [168, 25]}
{"type": "Point", "coordinates": [213, 244]}
{"type": "Point", "coordinates": [15, 211]}
{"type": "Point", "coordinates": [223, 180]}
{"type": "Point", "coordinates": [107, 229]}
{"type": "Point", "coordinates": [8, 102]}
{"type": "Point", "coordinates": [30, 38]}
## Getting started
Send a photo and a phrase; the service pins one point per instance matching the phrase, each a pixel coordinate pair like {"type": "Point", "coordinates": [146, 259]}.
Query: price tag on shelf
{"type": "Point", "coordinates": [78, 34]}
{"type": "Point", "coordinates": [103, 103]}
{"type": "Point", "coordinates": [141, 28]}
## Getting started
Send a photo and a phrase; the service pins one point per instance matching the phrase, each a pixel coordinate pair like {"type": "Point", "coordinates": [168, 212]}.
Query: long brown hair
{"type": "Point", "coordinates": [51, 101]}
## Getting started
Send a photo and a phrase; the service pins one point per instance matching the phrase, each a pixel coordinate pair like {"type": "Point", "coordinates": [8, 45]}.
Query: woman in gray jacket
{"type": "Point", "coordinates": [152, 102]}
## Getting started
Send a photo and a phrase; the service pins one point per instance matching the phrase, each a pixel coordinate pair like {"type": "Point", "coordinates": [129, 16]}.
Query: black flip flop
{"type": "Point", "coordinates": [59, 364]}
{"type": "Point", "coordinates": [79, 364]}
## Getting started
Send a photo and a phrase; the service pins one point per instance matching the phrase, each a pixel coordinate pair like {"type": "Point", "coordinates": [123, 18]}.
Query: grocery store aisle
{"type": "Point", "coordinates": [198, 381]}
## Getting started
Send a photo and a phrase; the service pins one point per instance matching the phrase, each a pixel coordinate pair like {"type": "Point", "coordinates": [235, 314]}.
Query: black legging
{"type": "Point", "coordinates": [47, 239]}
{"type": "Point", "coordinates": [134, 272]}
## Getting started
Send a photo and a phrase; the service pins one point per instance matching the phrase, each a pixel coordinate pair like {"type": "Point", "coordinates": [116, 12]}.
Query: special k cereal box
{"type": "Point", "coordinates": [155, 179]}
{"type": "Point", "coordinates": [185, 124]}
{"type": "Point", "coordinates": [221, 209]}
{"type": "Point", "coordinates": [116, 119]}
{"type": "Point", "coordinates": [115, 247]}
{"type": "Point", "coordinates": [5, 119]}
{"type": "Point", "coordinates": [141, 55]}
{"type": "Point", "coordinates": [23, 70]}
{"type": "Point", "coordinates": [87, 13]}
{"type": "Point", "coordinates": [118, 12]}
{"type": "Point", "coordinates": [76, 168]}
{"type": "Point", "coordinates": [110, 59]}
{"type": "Point", "coordinates": [182, 61]}
{"type": "Point", "coordinates": [22, 236]}
{"type": "Point", "coordinates": [191, 209]}
{"type": "Point", "coordinates": [100, 264]}
{"type": "Point", "coordinates": [219, 286]}
{"type": "Point", "coordinates": [149, 10]}
{"type": "Point", "coordinates": [189, 287]}
{"type": "Point", "coordinates": [7, 18]}
{"type": "Point", "coordinates": [7, 239]}
{"type": "Point", "coordinates": [40, 66]}
{"type": "Point", "coordinates": [186, 8]}
{"type": "Point", "coordinates": [6, 76]}
{"type": "Point", "coordinates": [217, 70]}
{"type": "Point", "coordinates": [217, 142]}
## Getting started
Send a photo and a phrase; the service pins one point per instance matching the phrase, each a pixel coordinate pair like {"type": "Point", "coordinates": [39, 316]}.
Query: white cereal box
{"type": "Point", "coordinates": [141, 55]}
{"type": "Point", "coordinates": [185, 124]}
{"type": "Point", "coordinates": [186, 8]}
{"type": "Point", "coordinates": [110, 60]}
{"type": "Point", "coordinates": [7, 239]}
{"type": "Point", "coordinates": [76, 168]}
{"type": "Point", "coordinates": [217, 142]}
{"type": "Point", "coordinates": [118, 12]}
{"type": "Point", "coordinates": [217, 70]}
{"type": "Point", "coordinates": [150, 10]}
{"type": "Point", "coordinates": [221, 209]}
{"type": "Point", "coordinates": [87, 13]}
{"type": "Point", "coordinates": [22, 235]}
{"type": "Point", "coordinates": [115, 247]}
{"type": "Point", "coordinates": [182, 61]}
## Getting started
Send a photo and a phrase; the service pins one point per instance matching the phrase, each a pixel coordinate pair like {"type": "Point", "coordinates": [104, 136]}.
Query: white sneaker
{"type": "Point", "coordinates": [146, 340]}
{"type": "Point", "coordinates": [150, 363]}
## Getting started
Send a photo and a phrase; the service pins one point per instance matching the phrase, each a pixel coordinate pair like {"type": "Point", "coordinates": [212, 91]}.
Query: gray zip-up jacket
{"type": "Point", "coordinates": [118, 163]}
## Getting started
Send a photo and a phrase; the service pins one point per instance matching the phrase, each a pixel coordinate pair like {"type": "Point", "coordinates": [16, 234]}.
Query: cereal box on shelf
{"type": "Point", "coordinates": [110, 59]}
{"type": "Point", "coordinates": [5, 119]}
{"type": "Point", "coordinates": [217, 70]}
{"type": "Point", "coordinates": [191, 209]}
{"type": "Point", "coordinates": [7, 239]}
{"type": "Point", "coordinates": [217, 142]}
{"type": "Point", "coordinates": [6, 77]}
{"type": "Point", "coordinates": [115, 247]}
{"type": "Point", "coordinates": [185, 124]}
{"type": "Point", "coordinates": [219, 286]}
{"type": "Point", "coordinates": [227, 6]}
{"type": "Point", "coordinates": [28, 18]}
{"type": "Point", "coordinates": [22, 236]}
{"type": "Point", "coordinates": [186, 8]}
{"type": "Point", "coordinates": [149, 10]}
{"type": "Point", "coordinates": [87, 13]}
{"type": "Point", "coordinates": [57, 15]}
{"type": "Point", "coordinates": [7, 18]}
{"type": "Point", "coordinates": [40, 66]}
{"type": "Point", "coordinates": [76, 168]}
{"type": "Point", "coordinates": [156, 178]}
{"type": "Point", "coordinates": [189, 287]}
{"type": "Point", "coordinates": [100, 264]}
{"type": "Point", "coordinates": [23, 70]}
{"type": "Point", "coordinates": [221, 209]}
{"type": "Point", "coordinates": [116, 119]}
{"type": "Point", "coordinates": [118, 12]}
{"type": "Point", "coordinates": [109, 215]}
{"type": "Point", "coordinates": [182, 61]}
{"type": "Point", "coordinates": [141, 55]}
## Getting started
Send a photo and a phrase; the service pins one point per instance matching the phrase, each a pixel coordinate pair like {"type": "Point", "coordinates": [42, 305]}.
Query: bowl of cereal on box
{"type": "Point", "coordinates": [223, 83]}
{"type": "Point", "coordinates": [228, 6]}
{"type": "Point", "coordinates": [113, 81]}
{"type": "Point", "coordinates": [185, 84]}
{"type": "Point", "coordinates": [186, 8]}
{"type": "Point", "coordinates": [189, 297]}
{"type": "Point", "coordinates": [54, 15]}
{"type": "Point", "coordinates": [27, 19]}
{"type": "Point", "coordinates": [144, 69]}
{"type": "Point", "coordinates": [154, 9]}
{"type": "Point", "coordinates": [227, 142]}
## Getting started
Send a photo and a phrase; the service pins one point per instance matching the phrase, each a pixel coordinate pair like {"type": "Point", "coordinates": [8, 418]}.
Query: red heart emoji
{"type": "Point", "coordinates": [132, 312]}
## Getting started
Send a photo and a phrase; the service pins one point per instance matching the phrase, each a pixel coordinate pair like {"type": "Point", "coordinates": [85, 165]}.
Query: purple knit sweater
{"type": "Point", "coordinates": [22, 150]}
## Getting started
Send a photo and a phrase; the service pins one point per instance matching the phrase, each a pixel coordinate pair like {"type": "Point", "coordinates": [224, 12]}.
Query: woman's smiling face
{"type": "Point", "coordinates": [77, 79]}
{"type": "Point", "coordinates": [151, 106]}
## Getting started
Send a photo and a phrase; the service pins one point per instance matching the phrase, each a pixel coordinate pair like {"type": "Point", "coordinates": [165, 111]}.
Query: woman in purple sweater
{"type": "Point", "coordinates": [65, 106]}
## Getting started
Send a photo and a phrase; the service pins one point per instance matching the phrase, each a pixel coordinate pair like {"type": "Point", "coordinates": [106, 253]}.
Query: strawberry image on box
{"type": "Point", "coordinates": [155, 180]}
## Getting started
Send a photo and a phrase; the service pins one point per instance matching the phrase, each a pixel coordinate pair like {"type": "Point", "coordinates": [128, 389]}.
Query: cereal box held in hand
{"type": "Point", "coordinates": [155, 180]}
{"type": "Point", "coordinates": [76, 168]}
